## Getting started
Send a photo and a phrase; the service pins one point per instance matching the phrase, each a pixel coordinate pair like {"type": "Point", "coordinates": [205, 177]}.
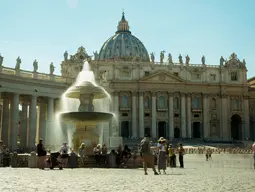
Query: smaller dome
{"type": "Point", "coordinates": [123, 45]}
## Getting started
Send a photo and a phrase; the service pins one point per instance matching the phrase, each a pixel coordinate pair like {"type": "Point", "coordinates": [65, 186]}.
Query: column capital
{"type": "Point", "coordinates": [188, 94]}
{"type": "Point", "coordinates": [183, 94]}
{"type": "Point", "coordinates": [153, 93]}
{"type": "Point", "coordinates": [245, 97]}
{"type": "Point", "coordinates": [170, 94]}
{"type": "Point", "coordinates": [223, 95]}
{"type": "Point", "coordinates": [134, 93]}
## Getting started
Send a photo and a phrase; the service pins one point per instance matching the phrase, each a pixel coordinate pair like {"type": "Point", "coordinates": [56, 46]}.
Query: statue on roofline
{"type": "Point", "coordinates": [152, 58]}
{"type": "Point", "coordinates": [180, 59]}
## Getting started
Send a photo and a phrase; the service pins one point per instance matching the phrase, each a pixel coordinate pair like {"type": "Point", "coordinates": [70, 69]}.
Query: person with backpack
{"type": "Point", "coordinates": [147, 156]}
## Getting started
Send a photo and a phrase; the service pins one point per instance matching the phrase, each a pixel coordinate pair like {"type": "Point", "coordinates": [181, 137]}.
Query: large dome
{"type": "Point", "coordinates": [123, 45]}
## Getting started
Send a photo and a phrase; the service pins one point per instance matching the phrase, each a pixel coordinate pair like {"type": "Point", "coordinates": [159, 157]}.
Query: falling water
{"type": "Point", "coordinates": [62, 131]}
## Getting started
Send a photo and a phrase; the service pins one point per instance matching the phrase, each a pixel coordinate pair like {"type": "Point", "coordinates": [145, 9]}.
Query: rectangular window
{"type": "Point", "coordinates": [176, 115]}
{"type": "Point", "coordinates": [146, 73]}
{"type": "Point", "coordinates": [234, 76]}
{"type": "Point", "coordinates": [213, 77]}
{"type": "Point", "coordinates": [196, 76]}
{"type": "Point", "coordinates": [176, 74]}
{"type": "Point", "coordinates": [124, 114]}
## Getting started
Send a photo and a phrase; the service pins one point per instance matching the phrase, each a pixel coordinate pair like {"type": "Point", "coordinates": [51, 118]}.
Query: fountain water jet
{"type": "Point", "coordinates": [87, 92]}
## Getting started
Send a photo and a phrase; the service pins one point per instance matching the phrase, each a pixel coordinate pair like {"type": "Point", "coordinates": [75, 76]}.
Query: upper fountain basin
{"type": "Point", "coordinates": [87, 118]}
{"type": "Point", "coordinates": [86, 88]}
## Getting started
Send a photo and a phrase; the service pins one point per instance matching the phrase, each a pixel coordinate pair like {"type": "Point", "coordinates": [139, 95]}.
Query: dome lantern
{"type": "Point", "coordinates": [123, 24]}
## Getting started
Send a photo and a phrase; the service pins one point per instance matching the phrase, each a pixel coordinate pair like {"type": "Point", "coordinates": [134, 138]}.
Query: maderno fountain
{"type": "Point", "coordinates": [86, 118]}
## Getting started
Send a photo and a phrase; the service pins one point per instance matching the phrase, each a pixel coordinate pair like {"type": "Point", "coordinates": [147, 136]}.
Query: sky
{"type": "Point", "coordinates": [44, 30]}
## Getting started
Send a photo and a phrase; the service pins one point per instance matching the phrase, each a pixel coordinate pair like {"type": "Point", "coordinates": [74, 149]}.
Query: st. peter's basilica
{"type": "Point", "coordinates": [165, 98]}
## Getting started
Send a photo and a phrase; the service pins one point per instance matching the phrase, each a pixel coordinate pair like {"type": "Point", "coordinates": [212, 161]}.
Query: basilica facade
{"type": "Point", "coordinates": [173, 99]}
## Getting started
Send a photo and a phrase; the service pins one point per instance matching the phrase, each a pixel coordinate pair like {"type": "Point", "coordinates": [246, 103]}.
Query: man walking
{"type": "Point", "coordinates": [147, 156]}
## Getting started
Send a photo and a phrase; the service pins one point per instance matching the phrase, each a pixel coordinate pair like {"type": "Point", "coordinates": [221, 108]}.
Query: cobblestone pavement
{"type": "Point", "coordinates": [224, 173]}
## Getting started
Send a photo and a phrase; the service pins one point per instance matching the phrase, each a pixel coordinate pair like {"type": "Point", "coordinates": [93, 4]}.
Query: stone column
{"type": "Point", "coordinates": [141, 115]}
{"type": "Point", "coordinates": [32, 122]}
{"type": "Point", "coordinates": [246, 118]}
{"type": "Point", "coordinates": [42, 121]}
{"type": "Point", "coordinates": [5, 122]}
{"type": "Point", "coordinates": [50, 117]}
{"type": "Point", "coordinates": [15, 121]}
{"type": "Point", "coordinates": [171, 115]}
{"type": "Point", "coordinates": [189, 132]}
{"type": "Point", "coordinates": [224, 118]}
{"type": "Point", "coordinates": [24, 124]}
{"type": "Point", "coordinates": [206, 123]}
{"type": "Point", "coordinates": [154, 116]}
{"type": "Point", "coordinates": [183, 116]}
{"type": "Point", "coordinates": [134, 108]}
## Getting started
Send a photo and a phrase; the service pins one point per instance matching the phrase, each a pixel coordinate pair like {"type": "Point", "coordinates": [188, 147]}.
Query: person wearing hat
{"type": "Point", "coordinates": [162, 154]}
{"type": "Point", "coordinates": [146, 154]}
{"type": "Point", "coordinates": [41, 152]}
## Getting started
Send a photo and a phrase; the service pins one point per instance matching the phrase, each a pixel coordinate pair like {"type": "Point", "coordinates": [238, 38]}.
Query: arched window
{"type": "Point", "coordinates": [124, 101]}
{"type": "Point", "coordinates": [176, 103]}
{"type": "Point", "coordinates": [161, 102]}
{"type": "Point", "coordinates": [195, 103]}
{"type": "Point", "coordinates": [146, 102]}
{"type": "Point", "coordinates": [213, 103]}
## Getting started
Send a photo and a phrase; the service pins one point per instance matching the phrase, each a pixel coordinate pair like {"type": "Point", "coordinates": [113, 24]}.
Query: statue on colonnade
{"type": "Point", "coordinates": [203, 60]}
{"type": "Point", "coordinates": [35, 64]}
{"type": "Point", "coordinates": [65, 56]}
{"type": "Point", "coordinates": [18, 62]}
{"type": "Point", "coordinates": [1, 60]}
{"type": "Point", "coordinates": [52, 68]}
{"type": "Point", "coordinates": [187, 60]}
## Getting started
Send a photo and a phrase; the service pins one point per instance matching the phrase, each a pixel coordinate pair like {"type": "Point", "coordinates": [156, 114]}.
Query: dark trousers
{"type": "Point", "coordinates": [181, 161]}
{"type": "Point", "coordinates": [173, 161]}
{"type": "Point", "coordinates": [97, 157]}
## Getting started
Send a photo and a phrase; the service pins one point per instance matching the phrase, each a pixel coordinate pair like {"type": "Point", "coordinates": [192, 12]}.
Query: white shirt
{"type": "Point", "coordinates": [161, 147]}
{"type": "Point", "coordinates": [64, 150]}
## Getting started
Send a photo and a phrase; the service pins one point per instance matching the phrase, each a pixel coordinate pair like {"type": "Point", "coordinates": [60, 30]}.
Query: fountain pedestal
{"type": "Point", "coordinates": [115, 142]}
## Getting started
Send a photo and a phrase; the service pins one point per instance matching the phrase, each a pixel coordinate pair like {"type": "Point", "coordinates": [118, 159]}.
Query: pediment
{"type": "Point", "coordinates": [161, 76]}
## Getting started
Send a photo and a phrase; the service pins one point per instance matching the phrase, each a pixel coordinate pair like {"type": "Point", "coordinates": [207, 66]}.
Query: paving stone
{"type": "Point", "coordinates": [224, 173]}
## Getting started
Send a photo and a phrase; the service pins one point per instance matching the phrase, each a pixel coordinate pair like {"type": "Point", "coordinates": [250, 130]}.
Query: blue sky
{"type": "Point", "coordinates": [43, 30]}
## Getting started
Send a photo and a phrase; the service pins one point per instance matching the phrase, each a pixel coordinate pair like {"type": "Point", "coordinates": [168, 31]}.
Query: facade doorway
{"type": "Point", "coordinates": [147, 131]}
{"type": "Point", "coordinates": [162, 129]}
{"type": "Point", "coordinates": [196, 130]}
{"type": "Point", "coordinates": [125, 133]}
{"type": "Point", "coordinates": [176, 132]}
{"type": "Point", "coordinates": [236, 127]}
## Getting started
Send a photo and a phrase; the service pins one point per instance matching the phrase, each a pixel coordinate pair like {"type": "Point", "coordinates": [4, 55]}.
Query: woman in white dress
{"type": "Point", "coordinates": [162, 155]}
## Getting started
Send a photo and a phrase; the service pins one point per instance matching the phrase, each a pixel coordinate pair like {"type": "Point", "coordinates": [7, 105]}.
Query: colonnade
{"type": "Point", "coordinates": [24, 119]}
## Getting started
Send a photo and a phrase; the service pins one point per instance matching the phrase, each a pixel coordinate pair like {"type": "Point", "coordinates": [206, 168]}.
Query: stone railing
{"type": "Point", "coordinates": [154, 63]}
{"type": "Point", "coordinates": [35, 75]}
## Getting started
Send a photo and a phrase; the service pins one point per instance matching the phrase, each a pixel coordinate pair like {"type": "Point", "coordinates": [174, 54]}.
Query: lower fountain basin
{"type": "Point", "coordinates": [86, 118]}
